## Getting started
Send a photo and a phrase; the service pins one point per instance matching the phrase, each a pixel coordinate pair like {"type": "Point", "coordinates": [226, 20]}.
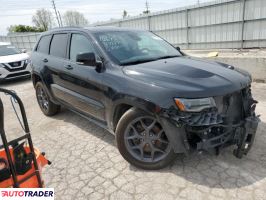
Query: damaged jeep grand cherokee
{"type": "Point", "coordinates": [157, 101]}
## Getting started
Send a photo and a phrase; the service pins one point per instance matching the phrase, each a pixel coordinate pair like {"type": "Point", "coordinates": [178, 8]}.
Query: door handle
{"type": "Point", "coordinates": [45, 60]}
{"type": "Point", "coordinates": [69, 67]}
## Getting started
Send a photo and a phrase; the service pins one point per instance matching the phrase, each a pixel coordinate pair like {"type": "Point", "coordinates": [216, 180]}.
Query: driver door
{"type": "Point", "coordinates": [83, 84]}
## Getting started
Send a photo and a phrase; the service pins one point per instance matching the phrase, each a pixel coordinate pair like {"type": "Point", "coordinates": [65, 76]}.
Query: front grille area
{"type": "Point", "coordinates": [202, 118]}
{"type": "Point", "coordinates": [10, 76]}
{"type": "Point", "coordinates": [232, 122]}
{"type": "Point", "coordinates": [15, 66]}
{"type": "Point", "coordinates": [229, 110]}
{"type": "Point", "coordinates": [230, 107]}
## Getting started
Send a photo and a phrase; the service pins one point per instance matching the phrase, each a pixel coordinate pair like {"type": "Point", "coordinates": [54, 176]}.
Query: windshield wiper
{"type": "Point", "coordinates": [135, 62]}
{"type": "Point", "coordinates": [165, 57]}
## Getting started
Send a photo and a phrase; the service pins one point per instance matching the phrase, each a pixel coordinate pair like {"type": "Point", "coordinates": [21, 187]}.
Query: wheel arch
{"type": "Point", "coordinates": [123, 105]}
{"type": "Point", "coordinates": [35, 78]}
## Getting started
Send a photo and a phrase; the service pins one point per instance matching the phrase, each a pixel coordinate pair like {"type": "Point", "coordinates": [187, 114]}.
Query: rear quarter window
{"type": "Point", "coordinates": [59, 45]}
{"type": "Point", "coordinates": [43, 46]}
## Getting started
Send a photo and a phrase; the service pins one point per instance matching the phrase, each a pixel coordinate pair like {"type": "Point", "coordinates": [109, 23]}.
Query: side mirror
{"type": "Point", "coordinates": [178, 48]}
{"type": "Point", "coordinates": [86, 59]}
{"type": "Point", "coordinates": [24, 51]}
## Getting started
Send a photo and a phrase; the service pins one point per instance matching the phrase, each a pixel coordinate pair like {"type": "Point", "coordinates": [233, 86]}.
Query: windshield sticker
{"type": "Point", "coordinates": [110, 43]}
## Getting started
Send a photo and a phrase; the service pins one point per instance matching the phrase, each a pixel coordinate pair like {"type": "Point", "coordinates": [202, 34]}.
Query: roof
{"type": "Point", "coordinates": [92, 29]}
{"type": "Point", "coordinates": [4, 43]}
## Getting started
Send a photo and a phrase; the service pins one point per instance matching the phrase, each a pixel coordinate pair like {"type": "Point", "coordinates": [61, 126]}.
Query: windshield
{"type": "Point", "coordinates": [133, 47]}
{"type": "Point", "coordinates": [8, 50]}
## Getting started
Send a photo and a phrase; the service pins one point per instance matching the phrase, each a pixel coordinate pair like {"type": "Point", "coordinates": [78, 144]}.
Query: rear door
{"type": "Point", "coordinates": [55, 70]}
{"type": "Point", "coordinates": [55, 63]}
{"type": "Point", "coordinates": [40, 54]}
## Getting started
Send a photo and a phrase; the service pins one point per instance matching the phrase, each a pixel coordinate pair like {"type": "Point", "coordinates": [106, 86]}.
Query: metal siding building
{"type": "Point", "coordinates": [217, 24]}
{"type": "Point", "coordinates": [21, 40]}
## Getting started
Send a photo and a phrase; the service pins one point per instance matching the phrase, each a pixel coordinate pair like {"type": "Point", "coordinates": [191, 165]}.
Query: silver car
{"type": "Point", "coordinates": [13, 62]}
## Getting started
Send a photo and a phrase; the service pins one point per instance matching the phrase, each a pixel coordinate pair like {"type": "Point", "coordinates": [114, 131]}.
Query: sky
{"type": "Point", "coordinates": [20, 11]}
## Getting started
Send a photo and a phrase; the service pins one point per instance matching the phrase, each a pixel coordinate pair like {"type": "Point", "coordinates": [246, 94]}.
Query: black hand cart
{"type": "Point", "coordinates": [20, 162]}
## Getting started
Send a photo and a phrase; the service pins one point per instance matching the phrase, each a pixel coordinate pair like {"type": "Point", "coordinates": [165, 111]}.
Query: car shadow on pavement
{"type": "Point", "coordinates": [16, 82]}
{"type": "Point", "coordinates": [224, 171]}
{"type": "Point", "coordinates": [84, 124]}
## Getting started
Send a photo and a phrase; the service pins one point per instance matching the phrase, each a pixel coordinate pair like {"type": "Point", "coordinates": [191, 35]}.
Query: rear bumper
{"type": "Point", "coordinates": [7, 74]}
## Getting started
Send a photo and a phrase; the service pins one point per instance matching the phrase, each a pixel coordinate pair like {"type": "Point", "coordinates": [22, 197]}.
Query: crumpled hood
{"type": "Point", "coordinates": [190, 77]}
{"type": "Point", "coordinates": [14, 58]}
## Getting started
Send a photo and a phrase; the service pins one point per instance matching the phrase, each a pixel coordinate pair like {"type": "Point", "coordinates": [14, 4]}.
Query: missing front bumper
{"type": "Point", "coordinates": [242, 136]}
{"type": "Point", "coordinates": [232, 122]}
{"type": "Point", "coordinates": [246, 140]}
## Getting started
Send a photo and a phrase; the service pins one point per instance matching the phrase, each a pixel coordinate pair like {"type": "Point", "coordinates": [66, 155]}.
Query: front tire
{"type": "Point", "coordinates": [46, 105]}
{"type": "Point", "coordinates": [141, 140]}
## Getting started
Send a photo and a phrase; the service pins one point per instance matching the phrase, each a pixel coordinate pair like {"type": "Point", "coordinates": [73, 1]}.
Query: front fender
{"type": "Point", "coordinates": [131, 101]}
{"type": "Point", "coordinates": [176, 136]}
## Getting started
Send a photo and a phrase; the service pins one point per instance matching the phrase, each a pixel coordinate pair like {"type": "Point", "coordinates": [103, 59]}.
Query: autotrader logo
{"type": "Point", "coordinates": [27, 193]}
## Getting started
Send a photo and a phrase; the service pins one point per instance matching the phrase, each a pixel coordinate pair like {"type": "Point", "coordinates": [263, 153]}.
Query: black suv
{"type": "Point", "coordinates": [155, 99]}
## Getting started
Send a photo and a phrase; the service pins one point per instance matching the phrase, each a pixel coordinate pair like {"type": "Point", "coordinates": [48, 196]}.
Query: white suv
{"type": "Point", "coordinates": [13, 62]}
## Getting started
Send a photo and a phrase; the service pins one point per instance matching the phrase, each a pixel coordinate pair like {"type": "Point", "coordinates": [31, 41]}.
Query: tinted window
{"type": "Point", "coordinates": [8, 50]}
{"type": "Point", "coordinates": [59, 45]}
{"type": "Point", "coordinates": [79, 44]}
{"type": "Point", "coordinates": [44, 43]}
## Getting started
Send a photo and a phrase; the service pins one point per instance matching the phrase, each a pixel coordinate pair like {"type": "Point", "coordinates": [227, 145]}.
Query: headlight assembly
{"type": "Point", "coordinates": [27, 61]}
{"type": "Point", "coordinates": [194, 105]}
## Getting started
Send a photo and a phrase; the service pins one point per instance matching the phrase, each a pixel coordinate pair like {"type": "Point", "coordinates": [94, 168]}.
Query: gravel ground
{"type": "Point", "coordinates": [87, 164]}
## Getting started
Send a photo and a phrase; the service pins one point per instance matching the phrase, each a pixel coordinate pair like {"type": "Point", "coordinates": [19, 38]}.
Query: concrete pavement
{"type": "Point", "coordinates": [87, 165]}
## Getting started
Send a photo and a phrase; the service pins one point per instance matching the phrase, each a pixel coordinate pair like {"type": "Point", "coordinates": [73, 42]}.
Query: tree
{"type": "Point", "coordinates": [43, 19]}
{"type": "Point", "coordinates": [124, 14]}
{"type": "Point", "coordinates": [74, 18]}
{"type": "Point", "coordinates": [23, 28]}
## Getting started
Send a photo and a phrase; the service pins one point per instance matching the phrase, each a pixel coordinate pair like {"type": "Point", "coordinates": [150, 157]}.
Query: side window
{"type": "Point", "coordinates": [79, 44]}
{"type": "Point", "coordinates": [43, 46]}
{"type": "Point", "coordinates": [59, 45]}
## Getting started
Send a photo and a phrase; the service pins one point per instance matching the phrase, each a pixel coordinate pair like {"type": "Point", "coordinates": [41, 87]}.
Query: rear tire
{"type": "Point", "coordinates": [142, 141]}
{"type": "Point", "coordinates": [46, 105]}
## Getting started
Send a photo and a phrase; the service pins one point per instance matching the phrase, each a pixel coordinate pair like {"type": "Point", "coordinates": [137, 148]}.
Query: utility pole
{"type": "Point", "coordinates": [147, 11]}
{"type": "Point", "coordinates": [198, 2]}
{"type": "Point", "coordinates": [60, 18]}
{"type": "Point", "coordinates": [147, 6]}
{"type": "Point", "coordinates": [57, 18]}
